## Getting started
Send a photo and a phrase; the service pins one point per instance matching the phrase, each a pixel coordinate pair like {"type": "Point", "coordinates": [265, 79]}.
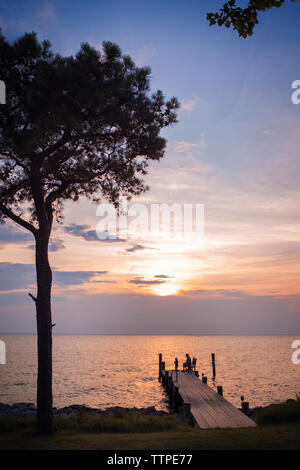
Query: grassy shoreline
{"type": "Point", "coordinates": [278, 428]}
{"type": "Point", "coordinates": [267, 437]}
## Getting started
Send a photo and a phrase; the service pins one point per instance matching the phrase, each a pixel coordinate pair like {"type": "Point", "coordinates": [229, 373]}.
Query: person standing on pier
{"type": "Point", "coordinates": [176, 363]}
{"type": "Point", "coordinates": [187, 365]}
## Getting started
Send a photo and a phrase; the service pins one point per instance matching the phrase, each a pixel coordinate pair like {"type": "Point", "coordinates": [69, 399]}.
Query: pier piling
{"type": "Point", "coordinates": [213, 361]}
{"type": "Point", "coordinates": [159, 366]}
{"type": "Point", "coordinates": [176, 397]}
{"type": "Point", "coordinates": [187, 410]}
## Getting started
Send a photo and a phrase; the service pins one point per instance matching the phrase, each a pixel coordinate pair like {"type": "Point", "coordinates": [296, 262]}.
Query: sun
{"type": "Point", "coordinates": [165, 289]}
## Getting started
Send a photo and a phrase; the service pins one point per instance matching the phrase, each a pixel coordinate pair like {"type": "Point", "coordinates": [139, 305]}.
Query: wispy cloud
{"type": "Point", "coordinates": [84, 231]}
{"type": "Point", "coordinates": [18, 276]}
{"type": "Point", "coordinates": [188, 104]}
{"type": "Point", "coordinates": [10, 234]}
{"type": "Point", "coordinates": [55, 245]}
{"type": "Point", "coordinates": [212, 293]}
{"type": "Point", "coordinates": [183, 146]}
{"type": "Point", "coordinates": [163, 276]}
{"type": "Point", "coordinates": [138, 247]}
{"type": "Point", "coordinates": [65, 278]}
{"type": "Point", "coordinates": [143, 282]}
{"type": "Point", "coordinates": [144, 55]}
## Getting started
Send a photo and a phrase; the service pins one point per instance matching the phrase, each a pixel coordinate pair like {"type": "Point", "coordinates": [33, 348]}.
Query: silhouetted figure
{"type": "Point", "coordinates": [176, 363]}
{"type": "Point", "coordinates": [187, 365]}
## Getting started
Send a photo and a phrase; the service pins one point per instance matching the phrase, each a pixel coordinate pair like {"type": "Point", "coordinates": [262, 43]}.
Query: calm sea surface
{"type": "Point", "coordinates": [103, 371]}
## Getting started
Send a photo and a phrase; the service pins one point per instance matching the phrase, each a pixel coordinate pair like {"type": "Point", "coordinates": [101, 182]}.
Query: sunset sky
{"type": "Point", "coordinates": [235, 150]}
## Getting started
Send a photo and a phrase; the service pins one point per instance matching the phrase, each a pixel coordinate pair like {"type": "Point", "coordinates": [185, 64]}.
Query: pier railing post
{"type": "Point", "coordinates": [220, 390]}
{"type": "Point", "coordinates": [213, 361]}
{"type": "Point", "coordinates": [187, 409]}
{"type": "Point", "coordinates": [170, 385]}
{"type": "Point", "coordinates": [176, 398]}
{"type": "Point", "coordinates": [159, 366]}
{"type": "Point", "coordinates": [188, 413]}
{"type": "Point", "coordinates": [166, 379]}
{"type": "Point", "coordinates": [162, 375]}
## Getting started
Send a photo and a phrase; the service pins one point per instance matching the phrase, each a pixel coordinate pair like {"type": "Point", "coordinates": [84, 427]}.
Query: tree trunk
{"type": "Point", "coordinates": [44, 336]}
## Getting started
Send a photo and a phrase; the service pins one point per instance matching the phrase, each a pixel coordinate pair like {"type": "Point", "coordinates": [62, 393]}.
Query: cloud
{"type": "Point", "coordinates": [16, 276]}
{"type": "Point", "coordinates": [188, 104]}
{"type": "Point", "coordinates": [142, 282]}
{"type": "Point", "coordinates": [182, 146]}
{"type": "Point", "coordinates": [212, 293]}
{"type": "Point", "coordinates": [54, 245]}
{"type": "Point", "coordinates": [9, 234]}
{"type": "Point", "coordinates": [135, 248]}
{"type": "Point", "coordinates": [65, 278]}
{"type": "Point", "coordinates": [89, 235]}
{"type": "Point", "coordinates": [163, 276]}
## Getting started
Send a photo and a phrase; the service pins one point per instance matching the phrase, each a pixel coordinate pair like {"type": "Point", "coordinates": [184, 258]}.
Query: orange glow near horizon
{"type": "Point", "coordinates": [164, 290]}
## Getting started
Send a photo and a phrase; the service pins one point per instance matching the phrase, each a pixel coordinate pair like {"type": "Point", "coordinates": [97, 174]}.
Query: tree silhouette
{"type": "Point", "coordinates": [243, 20]}
{"type": "Point", "coordinates": [72, 127]}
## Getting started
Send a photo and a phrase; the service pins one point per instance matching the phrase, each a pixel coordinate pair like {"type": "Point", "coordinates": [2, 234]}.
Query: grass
{"type": "Point", "coordinates": [279, 428]}
{"type": "Point", "coordinates": [85, 422]}
{"type": "Point", "coordinates": [119, 422]}
{"type": "Point", "coordinates": [287, 412]}
{"type": "Point", "coordinates": [263, 437]}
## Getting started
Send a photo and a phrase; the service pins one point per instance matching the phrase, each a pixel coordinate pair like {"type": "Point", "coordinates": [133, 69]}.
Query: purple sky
{"type": "Point", "coordinates": [235, 150]}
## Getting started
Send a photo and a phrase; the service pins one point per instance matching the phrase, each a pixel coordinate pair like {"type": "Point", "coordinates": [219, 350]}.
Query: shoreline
{"type": "Point", "coordinates": [27, 409]}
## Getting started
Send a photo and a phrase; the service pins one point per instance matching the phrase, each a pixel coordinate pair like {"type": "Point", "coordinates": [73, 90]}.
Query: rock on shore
{"type": "Point", "coordinates": [22, 410]}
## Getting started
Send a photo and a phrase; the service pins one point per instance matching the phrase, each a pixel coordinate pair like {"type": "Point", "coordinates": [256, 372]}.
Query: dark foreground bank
{"type": "Point", "coordinates": [79, 427]}
{"type": "Point", "coordinates": [24, 409]}
{"type": "Point", "coordinates": [288, 411]}
{"type": "Point", "coordinates": [264, 437]}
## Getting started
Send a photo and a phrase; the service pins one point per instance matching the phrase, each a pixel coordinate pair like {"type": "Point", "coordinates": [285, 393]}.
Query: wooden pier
{"type": "Point", "coordinates": [200, 403]}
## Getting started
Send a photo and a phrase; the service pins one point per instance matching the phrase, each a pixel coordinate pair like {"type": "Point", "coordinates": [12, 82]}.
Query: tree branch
{"type": "Point", "coordinates": [32, 296]}
{"type": "Point", "coordinates": [56, 146]}
{"type": "Point", "coordinates": [11, 215]}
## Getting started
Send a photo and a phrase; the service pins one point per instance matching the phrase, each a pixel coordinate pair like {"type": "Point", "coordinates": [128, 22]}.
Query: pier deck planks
{"type": "Point", "coordinates": [209, 409]}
